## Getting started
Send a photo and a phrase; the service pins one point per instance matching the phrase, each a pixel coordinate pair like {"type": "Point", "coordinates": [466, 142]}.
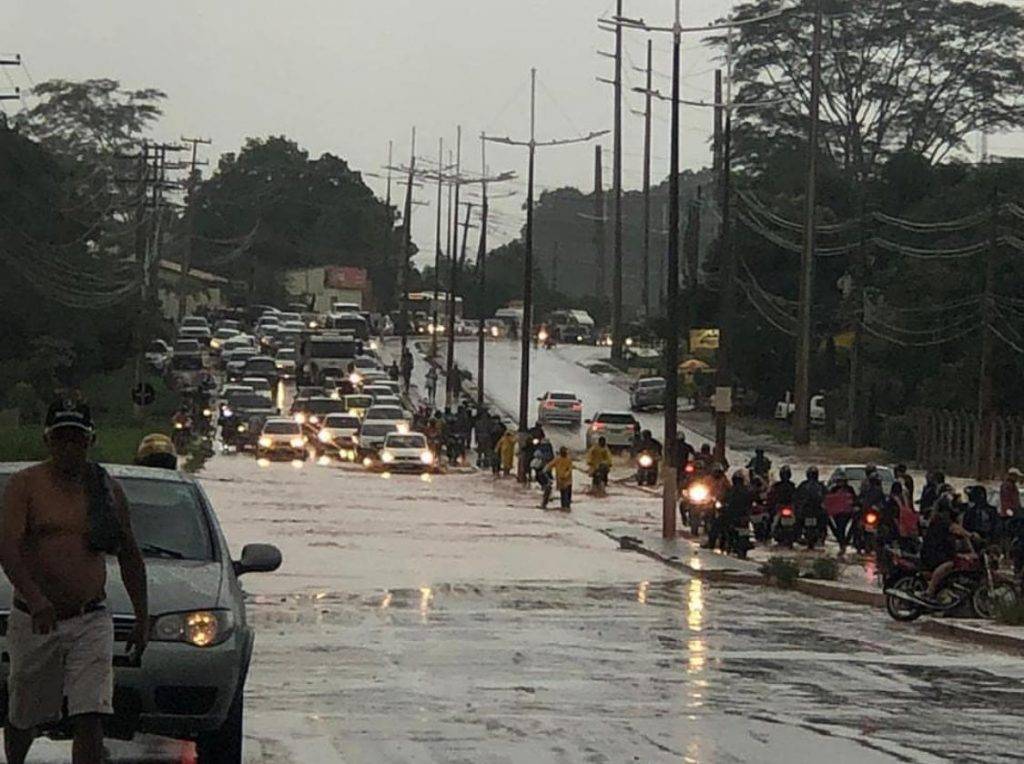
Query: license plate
{"type": "Point", "coordinates": [811, 522]}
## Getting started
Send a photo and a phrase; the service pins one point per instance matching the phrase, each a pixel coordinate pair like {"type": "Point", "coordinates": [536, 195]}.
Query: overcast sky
{"type": "Point", "coordinates": [345, 76]}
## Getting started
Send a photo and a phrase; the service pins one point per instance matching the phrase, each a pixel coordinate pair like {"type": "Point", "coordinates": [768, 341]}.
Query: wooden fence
{"type": "Point", "coordinates": [953, 441]}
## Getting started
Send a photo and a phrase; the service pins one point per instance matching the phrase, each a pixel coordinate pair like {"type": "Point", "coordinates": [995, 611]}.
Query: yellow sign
{"type": "Point", "coordinates": [703, 339]}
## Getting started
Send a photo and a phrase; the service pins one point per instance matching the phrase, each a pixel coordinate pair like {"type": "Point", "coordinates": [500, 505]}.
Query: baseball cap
{"type": "Point", "coordinates": [68, 413]}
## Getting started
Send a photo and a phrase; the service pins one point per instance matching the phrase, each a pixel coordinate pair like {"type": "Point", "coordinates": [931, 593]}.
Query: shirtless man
{"type": "Point", "coordinates": [60, 637]}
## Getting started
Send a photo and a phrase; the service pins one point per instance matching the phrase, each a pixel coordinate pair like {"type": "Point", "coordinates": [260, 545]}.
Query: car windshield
{"type": "Point", "coordinates": [614, 418]}
{"type": "Point", "coordinates": [562, 396]}
{"type": "Point", "coordinates": [324, 406]}
{"type": "Point", "coordinates": [166, 515]}
{"type": "Point", "coordinates": [281, 428]}
{"type": "Point", "coordinates": [384, 412]}
{"type": "Point", "coordinates": [358, 401]}
{"type": "Point", "coordinates": [342, 422]}
{"type": "Point", "coordinates": [187, 346]}
{"type": "Point", "coordinates": [652, 383]}
{"type": "Point", "coordinates": [376, 430]}
{"type": "Point", "coordinates": [258, 385]}
{"type": "Point", "coordinates": [248, 401]}
{"type": "Point", "coordinates": [286, 354]}
{"type": "Point", "coordinates": [406, 441]}
{"type": "Point", "coordinates": [224, 334]}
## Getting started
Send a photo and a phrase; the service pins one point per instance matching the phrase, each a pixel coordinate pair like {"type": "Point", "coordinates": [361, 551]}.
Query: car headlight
{"type": "Point", "coordinates": [355, 438]}
{"type": "Point", "coordinates": [387, 457]}
{"type": "Point", "coordinates": [279, 365]}
{"type": "Point", "coordinates": [355, 378]}
{"type": "Point", "coordinates": [266, 442]}
{"type": "Point", "coordinates": [312, 324]}
{"type": "Point", "coordinates": [335, 395]}
{"type": "Point", "coordinates": [325, 436]}
{"type": "Point", "coordinates": [646, 460]}
{"type": "Point", "coordinates": [314, 419]}
{"type": "Point", "coordinates": [207, 413]}
{"type": "Point", "coordinates": [242, 428]}
{"type": "Point", "coordinates": [427, 458]}
{"type": "Point", "coordinates": [215, 344]}
{"type": "Point", "coordinates": [494, 331]}
{"type": "Point", "coordinates": [227, 412]}
{"type": "Point", "coordinates": [200, 628]}
{"type": "Point", "coordinates": [298, 442]}
{"type": "Point", "coordinates": [300, 418]}
{"type": "Point", "coordinates": [179, 426]}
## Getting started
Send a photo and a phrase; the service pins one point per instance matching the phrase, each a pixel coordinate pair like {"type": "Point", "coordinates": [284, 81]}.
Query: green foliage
{"type": "Point", "coordinates": [116, 445]}
{"type": "Point", "coordinates": [823, 569]}
{"type": "Point", "coordinates": [781, 571]}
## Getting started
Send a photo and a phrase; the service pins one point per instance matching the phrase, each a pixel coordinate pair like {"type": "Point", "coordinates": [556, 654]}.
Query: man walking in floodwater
{"type": "Point", "coordinates": [60, 519]}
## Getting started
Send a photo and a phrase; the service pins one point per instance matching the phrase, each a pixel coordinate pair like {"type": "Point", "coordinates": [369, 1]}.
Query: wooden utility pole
{"type": "Point", "coordinates": [645, 294]}
{"type": "Point", "coordinates": [186, 260]}
{"type": "Point", "coordinates": [985, 409]}
{"type": "Point", "coordinates": [403, 291]}
{"type": "Point", "coordinates": [802, 385]}
{"type": "Point", "coordinates": [527, 328]}
{"type": "Point", "coordinates": [389, 222]}
{"type": "Point", "coordinates": [453, 275]}
{"type": "Point", "coordinates": [600, 282]}
{"type": "Point", "coordinates": [716, 161]}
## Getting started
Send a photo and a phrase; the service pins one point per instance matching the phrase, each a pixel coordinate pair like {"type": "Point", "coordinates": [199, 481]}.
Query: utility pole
{"type": "Point", "coordinates": [481, 272]}
{"type": "Point", "coordinates": [186, 262]}
{"type": "Point", "coordinates": [453, 254]}
{"type": "Point", "coordinates": [727, 269]}
{"type": "Point", "coordinates": [716, 161]}
{"type": "Point", "coordinates": [985, 412]}
{"type": "Point", "coordinates": [617, 183]}
{"type": "Point", "coordinates": [389, 222]}
{"type": "Point", "coordinates": [645, 292]}
{"type": "Point", "coordinates": [599, 220]}
{"type": "Point", "coordinates": [527, 327]}
{"type": "Point", "coordinates": [670, 472]}
{"type": "Point", "coordinates": [403, 291]}
{"type": "Point", "coordinates": [802, 385]}
{"type": "Point", "coordinates": [437, 249]}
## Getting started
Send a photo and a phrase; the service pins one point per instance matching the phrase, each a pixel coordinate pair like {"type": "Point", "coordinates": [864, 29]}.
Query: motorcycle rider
{"type": "Point", "coordinates": [542, 456]}
{"type": "Point", "coordinates": [685, 453]}
{"type": "Point", "coordinates": [930, 492]}
{"type": "Point", "coordinates": [156, 450]}
{"type": "Point", "coordinates": [736, 510]}
{"type": "Point", "coordinates": [781, 492]}
{"type": "Point", "coordinates": [980, 517]}
{"type": "Point", "coordinates": [704, 460]}
{"type": "Point", "coordinates": [648, 444]}
{"type": "Point", "coordinates": [938, 550]}
{"type": "Point", "coordinates": [599, 463]}
{"type": "Point", "coordinates": [760, 464]}
{"type": "Point", "coordinates": [1009, 493]}
{"type": "Point", "coordinates": [843, 505]}
{"type": "Point", "coordinates": [903, 476]}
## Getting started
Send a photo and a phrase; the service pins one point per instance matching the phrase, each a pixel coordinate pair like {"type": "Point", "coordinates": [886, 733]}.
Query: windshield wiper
{"type": "Point", "coordinates": [160, 550]}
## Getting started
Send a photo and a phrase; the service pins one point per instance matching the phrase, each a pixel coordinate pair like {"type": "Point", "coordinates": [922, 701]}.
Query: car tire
{"type": "Point", "coordinates": [224, 745]}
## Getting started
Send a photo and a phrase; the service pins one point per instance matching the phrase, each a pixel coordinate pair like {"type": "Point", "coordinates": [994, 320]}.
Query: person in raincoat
{"type": "Point", "coordinates": [561, 466]}
{"type": "Point", "coordinates": [599, 464]}
{"type": "Point", "coordinates": [506, 450]}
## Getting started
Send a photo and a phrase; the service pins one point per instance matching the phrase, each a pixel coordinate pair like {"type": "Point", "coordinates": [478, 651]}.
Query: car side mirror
{"type": "Point", "coordinates": [258, 558]}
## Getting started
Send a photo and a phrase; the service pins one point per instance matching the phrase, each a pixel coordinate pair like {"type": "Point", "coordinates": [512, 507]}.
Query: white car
{"type": "Point", "coordinates": [194, 322]}
{"type": "Point", "coordinates": [281, 437]}
{"type": "Point", "coordinates": [286, 359]}
{"type": "Point", "coordinates": [373, 434]}
{"type": "Point", "coordinates": [407, 451]}
{"type": "Point", "coordinates": [220, 337]}
{"type": "Point", "coordinates": [560, 408]}
{"type": "Point", "coordinates": [385, 414]}
{"type": "Point", "coordinates": [339, 436]}
{"type": "Point", "coordinates": [158, 354]}
{"type": "Point", "coordinates": [260, 386]}
{"type": "Point", "coordinates": [617, 427]}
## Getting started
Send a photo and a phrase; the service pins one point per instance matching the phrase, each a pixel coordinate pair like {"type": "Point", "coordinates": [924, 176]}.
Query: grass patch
{"type": "Point", "coordinates": [115, 445]}
{"type": "Point", "coordinates": [781, 572]}
{"type": "Point", "coordinates": [823, 569]}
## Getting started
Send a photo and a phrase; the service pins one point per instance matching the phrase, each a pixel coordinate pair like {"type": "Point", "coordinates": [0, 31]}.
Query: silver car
{"type": "Point", "coordinates": [560, 408]}
{"type": "Point", "coordinates": [617, 427]}
{"type": "Point", "coordinates": [647, 393]}
{"type": "Point", "coordinates": [189, 684]}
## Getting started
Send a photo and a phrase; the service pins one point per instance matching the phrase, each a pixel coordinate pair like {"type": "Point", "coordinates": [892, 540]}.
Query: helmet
{"type": "Point", "coordinates": [157, 450]}
{"type": "Point", "coordinates": [785, 473]}
{"type": "Point", "coordinates": [812, 474]}
{"type": "Point", "coordinates": [945, 503]}
{"type": "Point", "coordinates": [646, 435]}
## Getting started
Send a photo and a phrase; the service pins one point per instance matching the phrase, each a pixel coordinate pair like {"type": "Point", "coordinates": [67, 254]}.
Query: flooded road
{"type": "Point", "coordinates": [453, 621]}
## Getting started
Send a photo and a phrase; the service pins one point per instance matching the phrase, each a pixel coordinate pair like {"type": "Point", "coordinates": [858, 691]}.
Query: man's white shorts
{"type": "Point", "coordinates": [75, 662]}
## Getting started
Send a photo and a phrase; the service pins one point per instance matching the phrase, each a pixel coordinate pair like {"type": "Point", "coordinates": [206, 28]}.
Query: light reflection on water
{"type": "Point", "coordinates": [641, 592]}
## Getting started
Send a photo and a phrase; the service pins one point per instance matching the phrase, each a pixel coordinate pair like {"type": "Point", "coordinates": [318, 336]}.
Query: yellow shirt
{"type": "Point", "coordinates": [597, 456]}
{"type": "Point", "coordinates": [562, 467]}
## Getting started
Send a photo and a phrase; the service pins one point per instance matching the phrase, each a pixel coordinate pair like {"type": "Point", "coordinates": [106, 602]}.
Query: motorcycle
{"type": "Point", "coordinates": [697, 506]}
{"type": "Point", "coordinates": [972, 583]}
{"type": "Point", "coordinates": [786, 530]}
{"type": "Point", "coordinates": [181, 436]}
{"type": "Point", "coordinates": [738, 539]}
{"type": "Point", "coordinates": [761, 520]}
{"type": "Point", "coordinates": [646, 469]}
{"type": "Point", "coordinates": [865, 530]}
{"type": "Point", "coordinates": [813, 529]}
{"type": "Point", "coordinates": [599, 481]}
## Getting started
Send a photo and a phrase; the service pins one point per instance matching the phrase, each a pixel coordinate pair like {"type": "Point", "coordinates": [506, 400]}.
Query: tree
{"type": "Point", "coordinates": [913, 76]}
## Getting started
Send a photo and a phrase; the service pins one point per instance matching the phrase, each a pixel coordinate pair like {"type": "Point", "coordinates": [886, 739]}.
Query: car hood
{"type": "Point", "coordinates": [173, 586]}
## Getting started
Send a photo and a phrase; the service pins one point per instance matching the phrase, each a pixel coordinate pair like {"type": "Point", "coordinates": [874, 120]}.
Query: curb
{"type": "Point", "coordinates": [963, 631]}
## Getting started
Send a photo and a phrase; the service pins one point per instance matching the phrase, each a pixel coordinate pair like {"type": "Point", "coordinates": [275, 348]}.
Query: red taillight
{"type": "Point", "coordinates": [787, 511]}
{"type": "Point", "coordinates": [549, 404]}
{"type": "Point", "coordinates": [871, 518]}
{"type": "Point", "coordinates": [577, 406]}
{"type": "Point", "coordinates": [690, 468]}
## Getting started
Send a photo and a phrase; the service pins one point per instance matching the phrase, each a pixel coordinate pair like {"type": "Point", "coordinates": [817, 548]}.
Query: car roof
{"type": "Point", "coordinates": [255, 380]}
{"type": "Point", "coordinates": [262, 358]}
{"type": "Point", "coordinates": [117, 471]}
